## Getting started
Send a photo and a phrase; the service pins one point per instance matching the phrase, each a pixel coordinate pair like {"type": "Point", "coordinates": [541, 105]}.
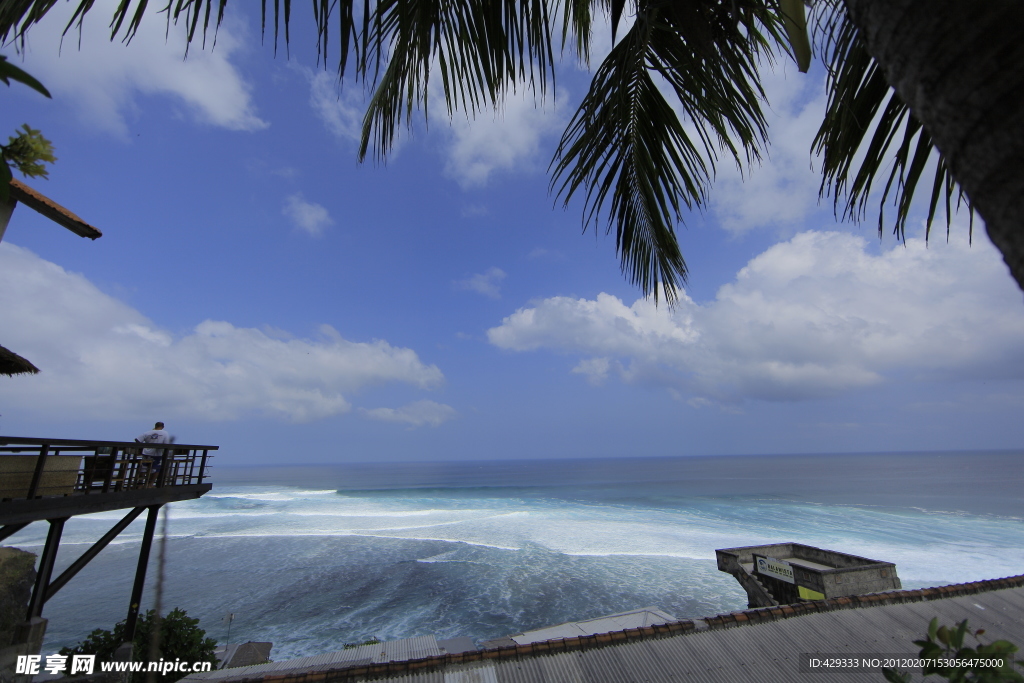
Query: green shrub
{"type": "Point", "coordinates": [180, 638]}
{"type": "Point", "coordinates": [944, 643]}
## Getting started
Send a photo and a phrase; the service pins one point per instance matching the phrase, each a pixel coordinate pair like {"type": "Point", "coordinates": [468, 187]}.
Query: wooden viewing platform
{"type": "Point", "coordinates": [48, 478]}
{"type": "Point", "coordinates": [56, 479]}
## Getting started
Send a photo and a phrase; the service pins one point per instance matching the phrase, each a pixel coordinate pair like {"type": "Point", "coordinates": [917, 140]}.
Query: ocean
{"type": "Point", "coordinates": [314, 557]}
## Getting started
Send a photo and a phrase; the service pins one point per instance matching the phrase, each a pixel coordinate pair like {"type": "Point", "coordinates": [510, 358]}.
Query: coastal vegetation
{"type": "Point", "coordinates": [943, 645]}
{"type": "Point", "coordinates": [180, 638]}
{"type": "Point", "coordinates": [27, 151]}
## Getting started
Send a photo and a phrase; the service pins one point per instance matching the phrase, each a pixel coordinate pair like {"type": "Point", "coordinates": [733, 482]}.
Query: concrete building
{"type": "Point", "coordinates": [785, 573]}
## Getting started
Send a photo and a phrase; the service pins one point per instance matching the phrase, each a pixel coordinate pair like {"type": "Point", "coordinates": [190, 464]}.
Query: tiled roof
{"type": "Point", "coordinates": [52, 210]}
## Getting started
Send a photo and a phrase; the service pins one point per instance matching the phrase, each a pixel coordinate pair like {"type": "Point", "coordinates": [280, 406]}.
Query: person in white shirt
{"type": "Point", "coordinates": [155, 435]}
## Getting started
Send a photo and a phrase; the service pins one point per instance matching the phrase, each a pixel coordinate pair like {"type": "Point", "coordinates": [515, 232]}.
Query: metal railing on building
{"type": "Point", "coordinates": [36, 468]}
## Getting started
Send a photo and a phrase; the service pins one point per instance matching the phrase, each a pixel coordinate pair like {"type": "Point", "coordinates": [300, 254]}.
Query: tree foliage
{"type": "Point", "coordinates": [180, 638]}
{"type": "Point", "coordinates": [943, 645]}
{"type": "Point", "coordinates": [868, 127]}
{"type": "Point", "coordinates": [627, 146]}
{"type": "Point", "coordinates": [637, 163]}
{"type": "Point", "coordinates": [27, 151]}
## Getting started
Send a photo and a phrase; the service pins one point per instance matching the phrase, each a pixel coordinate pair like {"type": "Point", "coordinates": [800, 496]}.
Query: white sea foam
{"type": "Point", "coordinates": [343, 534]}
{"type": "Point", "coordinates": [488, 562]}
{"type": "Point", "coordinates": [972, 546]}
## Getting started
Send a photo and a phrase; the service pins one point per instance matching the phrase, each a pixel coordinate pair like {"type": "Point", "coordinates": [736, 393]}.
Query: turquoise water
{"type": "Point", "coordinates": [314, 557]}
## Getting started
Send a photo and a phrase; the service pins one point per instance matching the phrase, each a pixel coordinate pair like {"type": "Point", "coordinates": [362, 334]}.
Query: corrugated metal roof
{"type": "Point", "coordinates": [410, 648]}
{"type": "Point", "coordinates": [637, 618]}
{"type": "Point", "coordinates": [483, 674]}
{"type": "Point", "coordinates": [378, 653]}
{"type": "Point", "coordinates": [561, 668]}
{"type": "Point", "coordinates": [763, 644]}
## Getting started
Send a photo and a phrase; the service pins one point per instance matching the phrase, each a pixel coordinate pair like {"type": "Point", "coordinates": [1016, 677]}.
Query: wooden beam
{"type": "Point", "coordinates": [35, 605]}
{"type": "Point", "coordinates": [6, 209]}
{"type": "Point", "coordinates": [10, 529]}
{"type": "Point", "coordinates": [21, 510]}
{"type": "Point", "coordinates": [92, 552]}
{"type": "Point", "coordinates": [140, 574]}
{"type": "Point", "coordinates": [52, 210]}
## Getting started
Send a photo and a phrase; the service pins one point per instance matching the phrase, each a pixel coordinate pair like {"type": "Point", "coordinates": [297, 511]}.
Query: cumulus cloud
{"type": "Point", "coordinates": [104, 78]}
{"type": "Point", "coordinates": [783, 190]}
{"type": "Point", "coordinates": [594, 369]}
{"type": "Point", "coordinates": [340, 109]}
{"type": "Point", "coordinates": [488, 284]}
{"type": "Point", "coordinates": [101, 359]}
{"type": "Point", "coordinates": [309, 217]}
{"type": "Point", "coordinates": [415, 414]}
{"type": "Point", "coordinates": [814, 316]}
{"type": "Point", "coordinates": [507, 140]}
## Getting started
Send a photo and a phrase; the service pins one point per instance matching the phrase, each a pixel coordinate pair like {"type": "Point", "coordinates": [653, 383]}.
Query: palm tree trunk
{"type": "Point", "coordinates": [959, 66]}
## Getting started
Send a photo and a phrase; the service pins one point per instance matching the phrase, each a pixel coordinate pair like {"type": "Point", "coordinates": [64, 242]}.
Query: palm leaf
{"type": "Point", "coordinates": [867, 127]}
{"type": "Point", "coordinates": [577, 19]}
{"type": "Point", "coordinates": [483, 47]}
{"type": "Point", "coordinates": [794, 21]}
{"type": "Point", "coordinates": [626, 147]}
{"type": "Point", "coordinates": [9, 72]}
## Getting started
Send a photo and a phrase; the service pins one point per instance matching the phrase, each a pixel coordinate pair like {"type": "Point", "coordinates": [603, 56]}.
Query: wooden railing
{"type": "Point", "coordinates": [34, 468]}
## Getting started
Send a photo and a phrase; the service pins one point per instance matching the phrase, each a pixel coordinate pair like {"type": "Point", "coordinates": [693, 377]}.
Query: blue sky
{"type": "Point", "coordinates": [258, 289]}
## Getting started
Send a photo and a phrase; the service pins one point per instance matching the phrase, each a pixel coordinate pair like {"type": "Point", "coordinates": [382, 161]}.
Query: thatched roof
{"type": "Point", "coordinates": [52, 210]}
{"type": "Point", "coordinates": [13, 364]}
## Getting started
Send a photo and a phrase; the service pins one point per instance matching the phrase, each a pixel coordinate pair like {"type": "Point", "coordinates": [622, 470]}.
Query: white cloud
{"type": "Point", "coordinates": [309, 217]}
{"type": "Point", "coordinates": [340, 109]}
{"type": "Point", "coordinates": [101, 359]}
{"type": "Point", "coordinates": [104, 78]}
{"type": "Point", "coordinates": [488, 284]}
{"type": "Point", "coordinates": [474, 211]}
{"type": "Point", "coordinates": [415, 414]}
{"type": "Point", "coordinates": [783, 190]}
{"type": "Point", "coordinates": [594, 369]}
{"type": "Point", "coordinates": [813, 316]}
{"type": "Point", "coordinates": [507, 140]}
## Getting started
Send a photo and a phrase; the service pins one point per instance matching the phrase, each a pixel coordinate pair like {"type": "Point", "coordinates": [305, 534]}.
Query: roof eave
{"type": "Point", "coordinates": [52, 210]}
{"type": "Point", "coordinates": [12, 364]}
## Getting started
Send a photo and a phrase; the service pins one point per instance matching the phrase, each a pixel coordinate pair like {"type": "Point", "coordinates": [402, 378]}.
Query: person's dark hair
{"type": "Point", "coordinates": [158, 425]}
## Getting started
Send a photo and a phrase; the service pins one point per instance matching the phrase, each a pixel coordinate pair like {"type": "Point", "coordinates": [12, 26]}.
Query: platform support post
{"type": "Point", "coordinates": [140, 574]}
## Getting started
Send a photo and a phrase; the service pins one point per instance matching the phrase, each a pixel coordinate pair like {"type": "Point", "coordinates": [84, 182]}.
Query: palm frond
{"type": "Point", "coordinates": [794, 21]}
{"type": "Point", "coordinates": [577, 20]}
{"type": "Point", "coordinates": [867, 128]}
{"type": "Point", "coordinates": [18, 16]}
{"type": "Point", "coordinates": [626, 146]}
{"type": "Point", "coordinates": [9, 72]}
{"type": "Point", "coordinates": [481, 47]}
